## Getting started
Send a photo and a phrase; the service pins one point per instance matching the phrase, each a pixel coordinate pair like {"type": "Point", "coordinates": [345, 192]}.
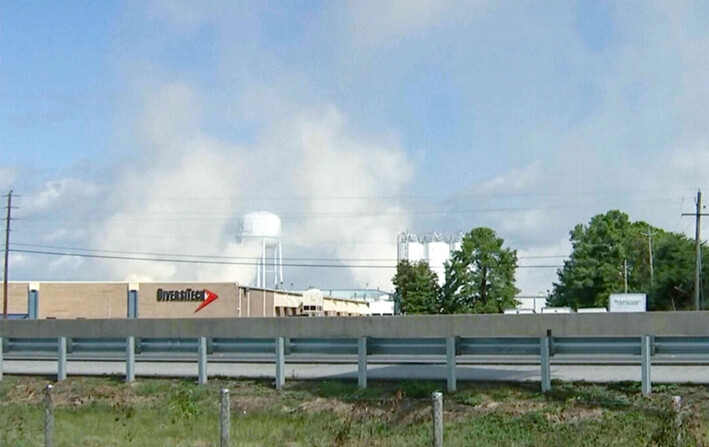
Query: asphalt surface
{"type": "Point", "coordinates": [566, 359]}
{"type": "Point", "coordinates": [378, 371]}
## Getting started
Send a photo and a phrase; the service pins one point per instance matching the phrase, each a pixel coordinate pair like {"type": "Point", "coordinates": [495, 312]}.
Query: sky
{"type": "Point", "coordinates": [147, 128]}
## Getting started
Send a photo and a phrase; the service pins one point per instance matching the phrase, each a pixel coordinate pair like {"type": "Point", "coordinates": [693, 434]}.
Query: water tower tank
{"type": "Point", "coordinates": [261, 225]}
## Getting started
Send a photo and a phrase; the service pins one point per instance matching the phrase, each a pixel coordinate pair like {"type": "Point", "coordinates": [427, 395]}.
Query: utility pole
{"type": "Point", "coordinates": [649, 235]}
{"type": "Point", "coordinates": [7, 251]}
{"type": "Point", "coordinates": [625, 274]}
{"type": "Point", "coordinates": [697, 250]}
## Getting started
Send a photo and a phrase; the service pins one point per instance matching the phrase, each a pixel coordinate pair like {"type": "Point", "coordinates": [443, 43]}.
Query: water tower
{"type": "Point", "coordinates": [263, 229]}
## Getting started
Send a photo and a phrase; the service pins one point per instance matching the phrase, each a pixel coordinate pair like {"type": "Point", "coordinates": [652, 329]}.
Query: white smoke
{"type": "Point", "coordinates": [184, 191]}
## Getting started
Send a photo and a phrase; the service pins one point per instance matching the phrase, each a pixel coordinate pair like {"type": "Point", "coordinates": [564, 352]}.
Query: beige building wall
{"type": "Point", "coordinates": [110, 300]}
{"type": "Point", "coordinates": [225, 306]}
{"type": "Point", "coordinates": [17, 297]}
{"type": "Point", "coordinates": [257, 303]}
{"type": "Point", "coordinates": [83, 300]}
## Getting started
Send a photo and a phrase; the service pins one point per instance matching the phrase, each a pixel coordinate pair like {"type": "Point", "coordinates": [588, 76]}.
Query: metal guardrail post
{"type": "Point", "coordinates": [32, 304]}
{"type": "Point", "coordinates": [362, 362]}
{"type": "Point", "coordinates": [645, 364]}
{"type": "Point", "coordinates": [48, 417]}
{"type": "Point", "coordinates": [225, 419]}
{"type": "Point", "coordinates": [130, 359]}
{"type": "Point", "coordinates": [280, 363]}
{"type": "Point", "coordinates": [450, 363]}
{"type": "Point", "coordinates": [545, 364]}
{"type": "Point", "coordinates": [132, 303]}
{"type": "Point", "coordinates": [202, 361]}
{"type": "Point", "coordinates": [61, 359]}
{"type": "Point", "coordinates": [437, 407]}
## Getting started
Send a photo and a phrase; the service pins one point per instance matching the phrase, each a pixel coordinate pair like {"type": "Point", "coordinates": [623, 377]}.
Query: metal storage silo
{"type": "Point", "coordinates": [437, 252]}
{"type": "Point", "coordinates": [410, 248]}
{"type": "Point", "coordinates": [457, 242]}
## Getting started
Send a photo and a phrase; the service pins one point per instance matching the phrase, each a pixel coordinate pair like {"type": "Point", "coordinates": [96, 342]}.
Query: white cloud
{"type": "Point", "coordinates": [64, 263]}
{"type": "Point", "coordinates": [183, 189]}
{"type": "Point", "coordinates": [374, 22]}
{"type": "Point", "coordinates": [8, 175]}
{"type": "Point", "coordinates": [538, 280]}
{"type": "Point", "coordinates": [522, 180]}
{"type": "Point", "coordinates": [58, 193]}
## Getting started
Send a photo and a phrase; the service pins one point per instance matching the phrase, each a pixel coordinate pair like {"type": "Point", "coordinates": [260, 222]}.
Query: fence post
{"type": "Point", "coordinates": [362, 362]}
{"type": "Point", "coordinates": [225, 420]}
{"type": "Point", "coordinates": [280, 363]}
{"type": "Point", "coordinates": [48, 417]}
{"type": "Point", "coordinates": [645, 364]}
{"type": "Point", "coordinates": [130, 359]}
{"type": "Point", "coordinates": [437, 405]}
{"type": "Point", "coordinates": [202, 361]}
{"type": "Point", "coordinates": [545, 364]}
{"type": "Point", "coordinates": [677, 423]}
{"type": "Point", "coordinates": [450, 364]}
{"type": "Point", "coordinates": [61, 359]}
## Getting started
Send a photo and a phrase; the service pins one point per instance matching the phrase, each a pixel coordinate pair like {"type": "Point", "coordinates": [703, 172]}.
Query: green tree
{"type": "Point", "coordinates": [596, 265]}
{"type": "Point", "coordinates": [602, 249]}
{"type": "Point", "coordinates": [673, 285]}
{"type": "Point", "coordinates": [416, 288]}
{"type": "Point", "coordinates": [480, 276]}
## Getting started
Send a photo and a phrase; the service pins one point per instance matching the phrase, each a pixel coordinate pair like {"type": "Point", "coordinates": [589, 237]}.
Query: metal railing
{"type": "Point", "coordinates": [447, 350]}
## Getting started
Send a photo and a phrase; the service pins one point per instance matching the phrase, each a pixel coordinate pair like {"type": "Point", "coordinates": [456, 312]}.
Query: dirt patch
{"type": "Point", "coordinates": [571, 415]}
{"type": "Point", "coordinates": [74, 393]}
{"type": "Point", "coordinates": [251, 404]}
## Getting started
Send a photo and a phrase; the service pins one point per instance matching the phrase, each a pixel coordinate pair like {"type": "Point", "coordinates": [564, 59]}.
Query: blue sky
{"type": "Point", "coordinates": [547, 112]}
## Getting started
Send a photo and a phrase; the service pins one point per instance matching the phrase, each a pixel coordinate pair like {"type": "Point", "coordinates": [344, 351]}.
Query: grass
{"type": "Point", "coordinates": [159, 412]}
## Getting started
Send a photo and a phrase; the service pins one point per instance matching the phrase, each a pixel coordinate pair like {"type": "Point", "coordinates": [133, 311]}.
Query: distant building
{"type": "Point", "coordinates": [531, 302]}
{"type": "Point", "coordinates": [380, 302]}
{"type": "Point", "coordinates": [61, 300]}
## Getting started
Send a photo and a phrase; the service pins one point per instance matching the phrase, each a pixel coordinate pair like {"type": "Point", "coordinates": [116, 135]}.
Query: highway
{"type": "Point", "coordinates": [565, 359]}
{"type": "Point", "coordinates": [377, 370]}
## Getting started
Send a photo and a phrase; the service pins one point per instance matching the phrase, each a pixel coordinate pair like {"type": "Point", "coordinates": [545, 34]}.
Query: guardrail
{"type": "Point", "coordinates": [444, 337]}
{"type": "Point", "coordinates": [448, 349]}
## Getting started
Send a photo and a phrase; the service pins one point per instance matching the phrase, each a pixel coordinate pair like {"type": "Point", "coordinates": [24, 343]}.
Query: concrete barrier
{"type": "Point", "coordinates": [425, 326]}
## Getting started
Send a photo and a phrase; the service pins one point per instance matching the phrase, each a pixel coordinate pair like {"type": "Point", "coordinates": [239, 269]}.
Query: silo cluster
{"type": "Point", "coordinates": [433, 248]}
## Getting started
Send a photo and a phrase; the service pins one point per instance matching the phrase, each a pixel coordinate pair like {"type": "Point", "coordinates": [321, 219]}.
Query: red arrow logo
{"type": "Point", "coordinates": [209, 296]}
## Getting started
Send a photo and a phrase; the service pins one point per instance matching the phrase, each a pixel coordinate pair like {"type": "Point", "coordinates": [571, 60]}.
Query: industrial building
{"type": "Point", "coordinates": [48, 300]}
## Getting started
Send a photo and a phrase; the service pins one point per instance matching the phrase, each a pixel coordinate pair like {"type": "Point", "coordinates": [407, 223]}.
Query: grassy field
{"type": "Point", "coordinates": [154, 412]}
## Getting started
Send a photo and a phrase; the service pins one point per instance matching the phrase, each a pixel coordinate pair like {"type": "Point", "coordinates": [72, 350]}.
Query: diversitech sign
{"type": "Point", "coordinates": [205, 296]}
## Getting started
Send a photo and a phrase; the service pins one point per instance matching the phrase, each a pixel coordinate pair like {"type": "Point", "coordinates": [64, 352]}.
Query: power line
{"type": "Point", "coordinates": [377, 197]}
{"type": "Point", "coordinates": [295, 216]}
{"type": "Point", "coordinates": [255, 258]}
{"type": "Point", "coordinates": [219, 262]}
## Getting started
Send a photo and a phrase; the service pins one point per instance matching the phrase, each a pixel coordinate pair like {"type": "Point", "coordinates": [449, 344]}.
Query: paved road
{"type": "Point", "coordinates": [590, 373]}
{"type": "Point", "coordinates": [565, 359]}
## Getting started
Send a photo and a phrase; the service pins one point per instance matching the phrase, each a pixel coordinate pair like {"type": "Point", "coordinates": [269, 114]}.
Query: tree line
{"type": "Point", "coordinates": [607, 253]}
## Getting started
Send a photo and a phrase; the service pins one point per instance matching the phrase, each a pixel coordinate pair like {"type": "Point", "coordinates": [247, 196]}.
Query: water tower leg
{"type": "Point", "coordinates": [280, 262]}
{"type": "Point", "coordinates": [263, 263]}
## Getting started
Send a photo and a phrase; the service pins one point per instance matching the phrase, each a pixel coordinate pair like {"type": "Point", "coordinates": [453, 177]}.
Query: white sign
{"type": "Point", "coordinates": [628, 302]}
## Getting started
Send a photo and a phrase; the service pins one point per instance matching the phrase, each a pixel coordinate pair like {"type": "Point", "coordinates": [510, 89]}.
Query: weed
{"type": "Point", "coordinates": [182, 402]}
